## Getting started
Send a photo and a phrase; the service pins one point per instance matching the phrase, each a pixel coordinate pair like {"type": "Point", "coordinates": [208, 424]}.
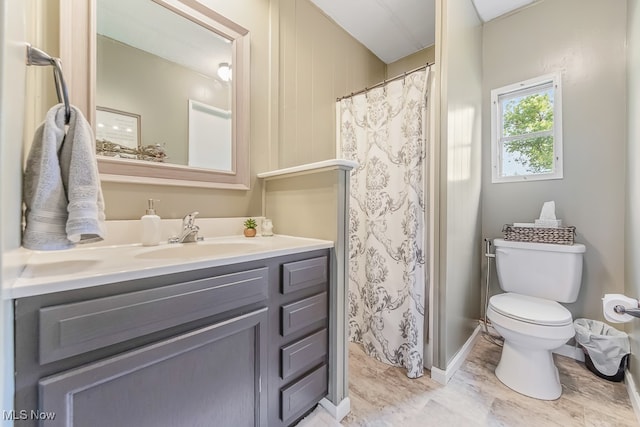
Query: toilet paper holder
{"type": "Point", "coordinates": [620, 309]}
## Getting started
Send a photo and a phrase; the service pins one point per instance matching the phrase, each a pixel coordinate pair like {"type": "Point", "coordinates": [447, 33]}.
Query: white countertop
{"type": "Point", "coordinates": [47, 272]}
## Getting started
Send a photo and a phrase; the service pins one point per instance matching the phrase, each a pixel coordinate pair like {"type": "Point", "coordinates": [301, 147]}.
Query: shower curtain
{"type": "Point", "coordinates": [384, 130]}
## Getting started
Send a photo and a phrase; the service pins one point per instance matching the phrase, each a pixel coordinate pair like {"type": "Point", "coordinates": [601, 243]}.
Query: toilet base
{"type": "Point", "coordinates": [529, 371]}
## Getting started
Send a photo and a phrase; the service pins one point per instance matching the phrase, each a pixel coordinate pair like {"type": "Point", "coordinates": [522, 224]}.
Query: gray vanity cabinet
{"type": "Point", "coordinates": [194, 379]}
{"type": "Point", "coordinates": [237, 345]}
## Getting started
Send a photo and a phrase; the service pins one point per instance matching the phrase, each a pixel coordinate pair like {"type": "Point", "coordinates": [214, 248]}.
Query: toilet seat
{"type": "Point", "coordinates": [530, 309]}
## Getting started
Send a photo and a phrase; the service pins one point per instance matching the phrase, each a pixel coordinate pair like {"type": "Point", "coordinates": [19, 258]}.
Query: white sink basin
{"type": "Point", "coordinates": [199, 250]}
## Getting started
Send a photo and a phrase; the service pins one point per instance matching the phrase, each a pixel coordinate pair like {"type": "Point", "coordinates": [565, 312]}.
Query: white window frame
{"type": "Point", "coordinates": [555, 81]}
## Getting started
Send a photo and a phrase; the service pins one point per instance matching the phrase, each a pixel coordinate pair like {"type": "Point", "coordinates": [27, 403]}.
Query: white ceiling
{"type": "Point", "coordinates": [391, 29]}
{"type": "Point", "coordinates": [491, 9]}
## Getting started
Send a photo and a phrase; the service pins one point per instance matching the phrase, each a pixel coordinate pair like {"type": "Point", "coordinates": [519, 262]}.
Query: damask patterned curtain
{"type": "Point", "coordinates": [384, 130]}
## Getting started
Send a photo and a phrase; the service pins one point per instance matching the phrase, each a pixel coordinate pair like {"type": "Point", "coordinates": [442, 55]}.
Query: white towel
{"type": "Point", "coordinates": [62, 190]}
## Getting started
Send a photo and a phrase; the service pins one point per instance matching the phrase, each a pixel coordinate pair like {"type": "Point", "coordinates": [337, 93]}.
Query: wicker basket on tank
{"type": "Point", "coordinates": [555, 235]}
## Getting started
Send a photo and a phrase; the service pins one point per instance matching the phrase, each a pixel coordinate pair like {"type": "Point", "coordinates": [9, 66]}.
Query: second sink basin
{"type": "Point", "coordinates": [199, 250]}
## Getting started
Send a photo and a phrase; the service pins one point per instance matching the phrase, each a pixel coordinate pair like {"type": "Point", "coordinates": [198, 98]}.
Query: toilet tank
{"type": "Point", "coordinates": [541, 270]}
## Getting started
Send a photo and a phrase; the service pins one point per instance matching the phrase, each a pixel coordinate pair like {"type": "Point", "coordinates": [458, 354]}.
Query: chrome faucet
{"type": "Point", "coordinates": [190, 230]}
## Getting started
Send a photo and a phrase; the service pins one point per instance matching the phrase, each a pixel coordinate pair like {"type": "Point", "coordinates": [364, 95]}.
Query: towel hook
{"type": "Point", "coordinates": [38, 57]}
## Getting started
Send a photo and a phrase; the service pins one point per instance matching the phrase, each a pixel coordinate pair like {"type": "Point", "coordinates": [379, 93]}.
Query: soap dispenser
{"type": "Point", "coordinates": [150, 226]}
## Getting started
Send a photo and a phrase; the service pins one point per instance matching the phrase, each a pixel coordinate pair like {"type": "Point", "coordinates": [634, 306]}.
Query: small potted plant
{"type": "Point", "coordinates": [250, 227]}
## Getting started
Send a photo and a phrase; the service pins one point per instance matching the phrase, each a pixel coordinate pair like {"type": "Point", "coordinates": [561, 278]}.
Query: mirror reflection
{"type": "Point", "coordinates": [163, 87]}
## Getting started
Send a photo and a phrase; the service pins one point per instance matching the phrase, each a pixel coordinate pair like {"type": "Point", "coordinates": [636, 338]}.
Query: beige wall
{"type": "Point", "coordinates": [411, 62]}
{"type": "Point", "coordinates": [40, 90]}
{"type": "Point", "coordinates": [318, 63]}
{"type": "Point", "coordinates": [632, 224]}
{"type": "Point", "coordinates": [590, 53]}
{"type": "Point", "coordinates": [305, 205]}
{"type": "Point", "coordinates": [458, 57]}
{"type": "Point", "coordinates": [300, 62]}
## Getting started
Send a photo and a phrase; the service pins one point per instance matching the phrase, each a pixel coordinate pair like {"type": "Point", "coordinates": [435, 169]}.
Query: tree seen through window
{"type": "Point", "coordinates": [524, 119]}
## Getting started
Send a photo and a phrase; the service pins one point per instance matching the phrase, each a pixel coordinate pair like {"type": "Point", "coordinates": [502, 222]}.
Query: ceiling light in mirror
{"type": "Point", "coordinates": [224, 71]}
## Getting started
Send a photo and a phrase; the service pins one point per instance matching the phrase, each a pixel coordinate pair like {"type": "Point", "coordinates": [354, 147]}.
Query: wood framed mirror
{"type": "Point", "coordinates": [162, 61]}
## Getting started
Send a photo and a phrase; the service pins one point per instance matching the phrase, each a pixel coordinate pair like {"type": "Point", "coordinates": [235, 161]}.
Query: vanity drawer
{"type": "Point", "coordinates": [303, 354]}
{"type": "Point", "coordinates": [71, 329]}
{"type": "Point", "coordinates": [303, 313]}
{"type": "Point", "coordinates": [304, 274]}
{"type": "Point", "coordinates": [303, 394]}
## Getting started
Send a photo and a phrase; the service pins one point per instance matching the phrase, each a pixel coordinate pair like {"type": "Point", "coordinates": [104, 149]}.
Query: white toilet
{"type": "Point", "coordinates": [535, 277]}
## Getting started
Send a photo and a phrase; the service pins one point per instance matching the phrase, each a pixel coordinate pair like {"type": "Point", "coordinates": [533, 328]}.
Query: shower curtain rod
{"type": "Point", "coordinates": [385, 81]}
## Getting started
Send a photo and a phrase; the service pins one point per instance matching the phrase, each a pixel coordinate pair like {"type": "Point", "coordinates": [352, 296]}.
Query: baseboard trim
{"type": "Point", "coordinates": [633, 393]}
{"type": "Point", "coordinates": [438, 375]}
{"type": "Point", "coordinates": [337, 412]}
{"type": "Point", "coordinates": [443, 376]}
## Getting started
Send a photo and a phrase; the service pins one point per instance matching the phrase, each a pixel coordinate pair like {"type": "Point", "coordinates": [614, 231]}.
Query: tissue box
{"type": "Point", "coordinates": [548, 223]}
{"type": "Point", "coordinates": [555, 235]}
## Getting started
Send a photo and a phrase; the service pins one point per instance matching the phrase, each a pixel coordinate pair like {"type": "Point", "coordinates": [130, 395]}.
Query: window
{"type": "Point", "coordinates": [526, 130]}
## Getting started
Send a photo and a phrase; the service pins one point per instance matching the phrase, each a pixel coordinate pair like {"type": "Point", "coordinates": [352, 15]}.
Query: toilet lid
{"type": "Point", "coordinates": [530, 309]}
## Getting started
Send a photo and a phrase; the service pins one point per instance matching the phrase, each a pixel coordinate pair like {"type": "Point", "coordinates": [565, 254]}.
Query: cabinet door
{"type": "Point", "coordinates": [210, 376]}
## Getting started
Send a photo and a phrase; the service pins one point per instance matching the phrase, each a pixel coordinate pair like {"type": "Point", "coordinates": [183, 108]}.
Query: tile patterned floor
{"type": "Point", "coordinates": [382, 396]}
